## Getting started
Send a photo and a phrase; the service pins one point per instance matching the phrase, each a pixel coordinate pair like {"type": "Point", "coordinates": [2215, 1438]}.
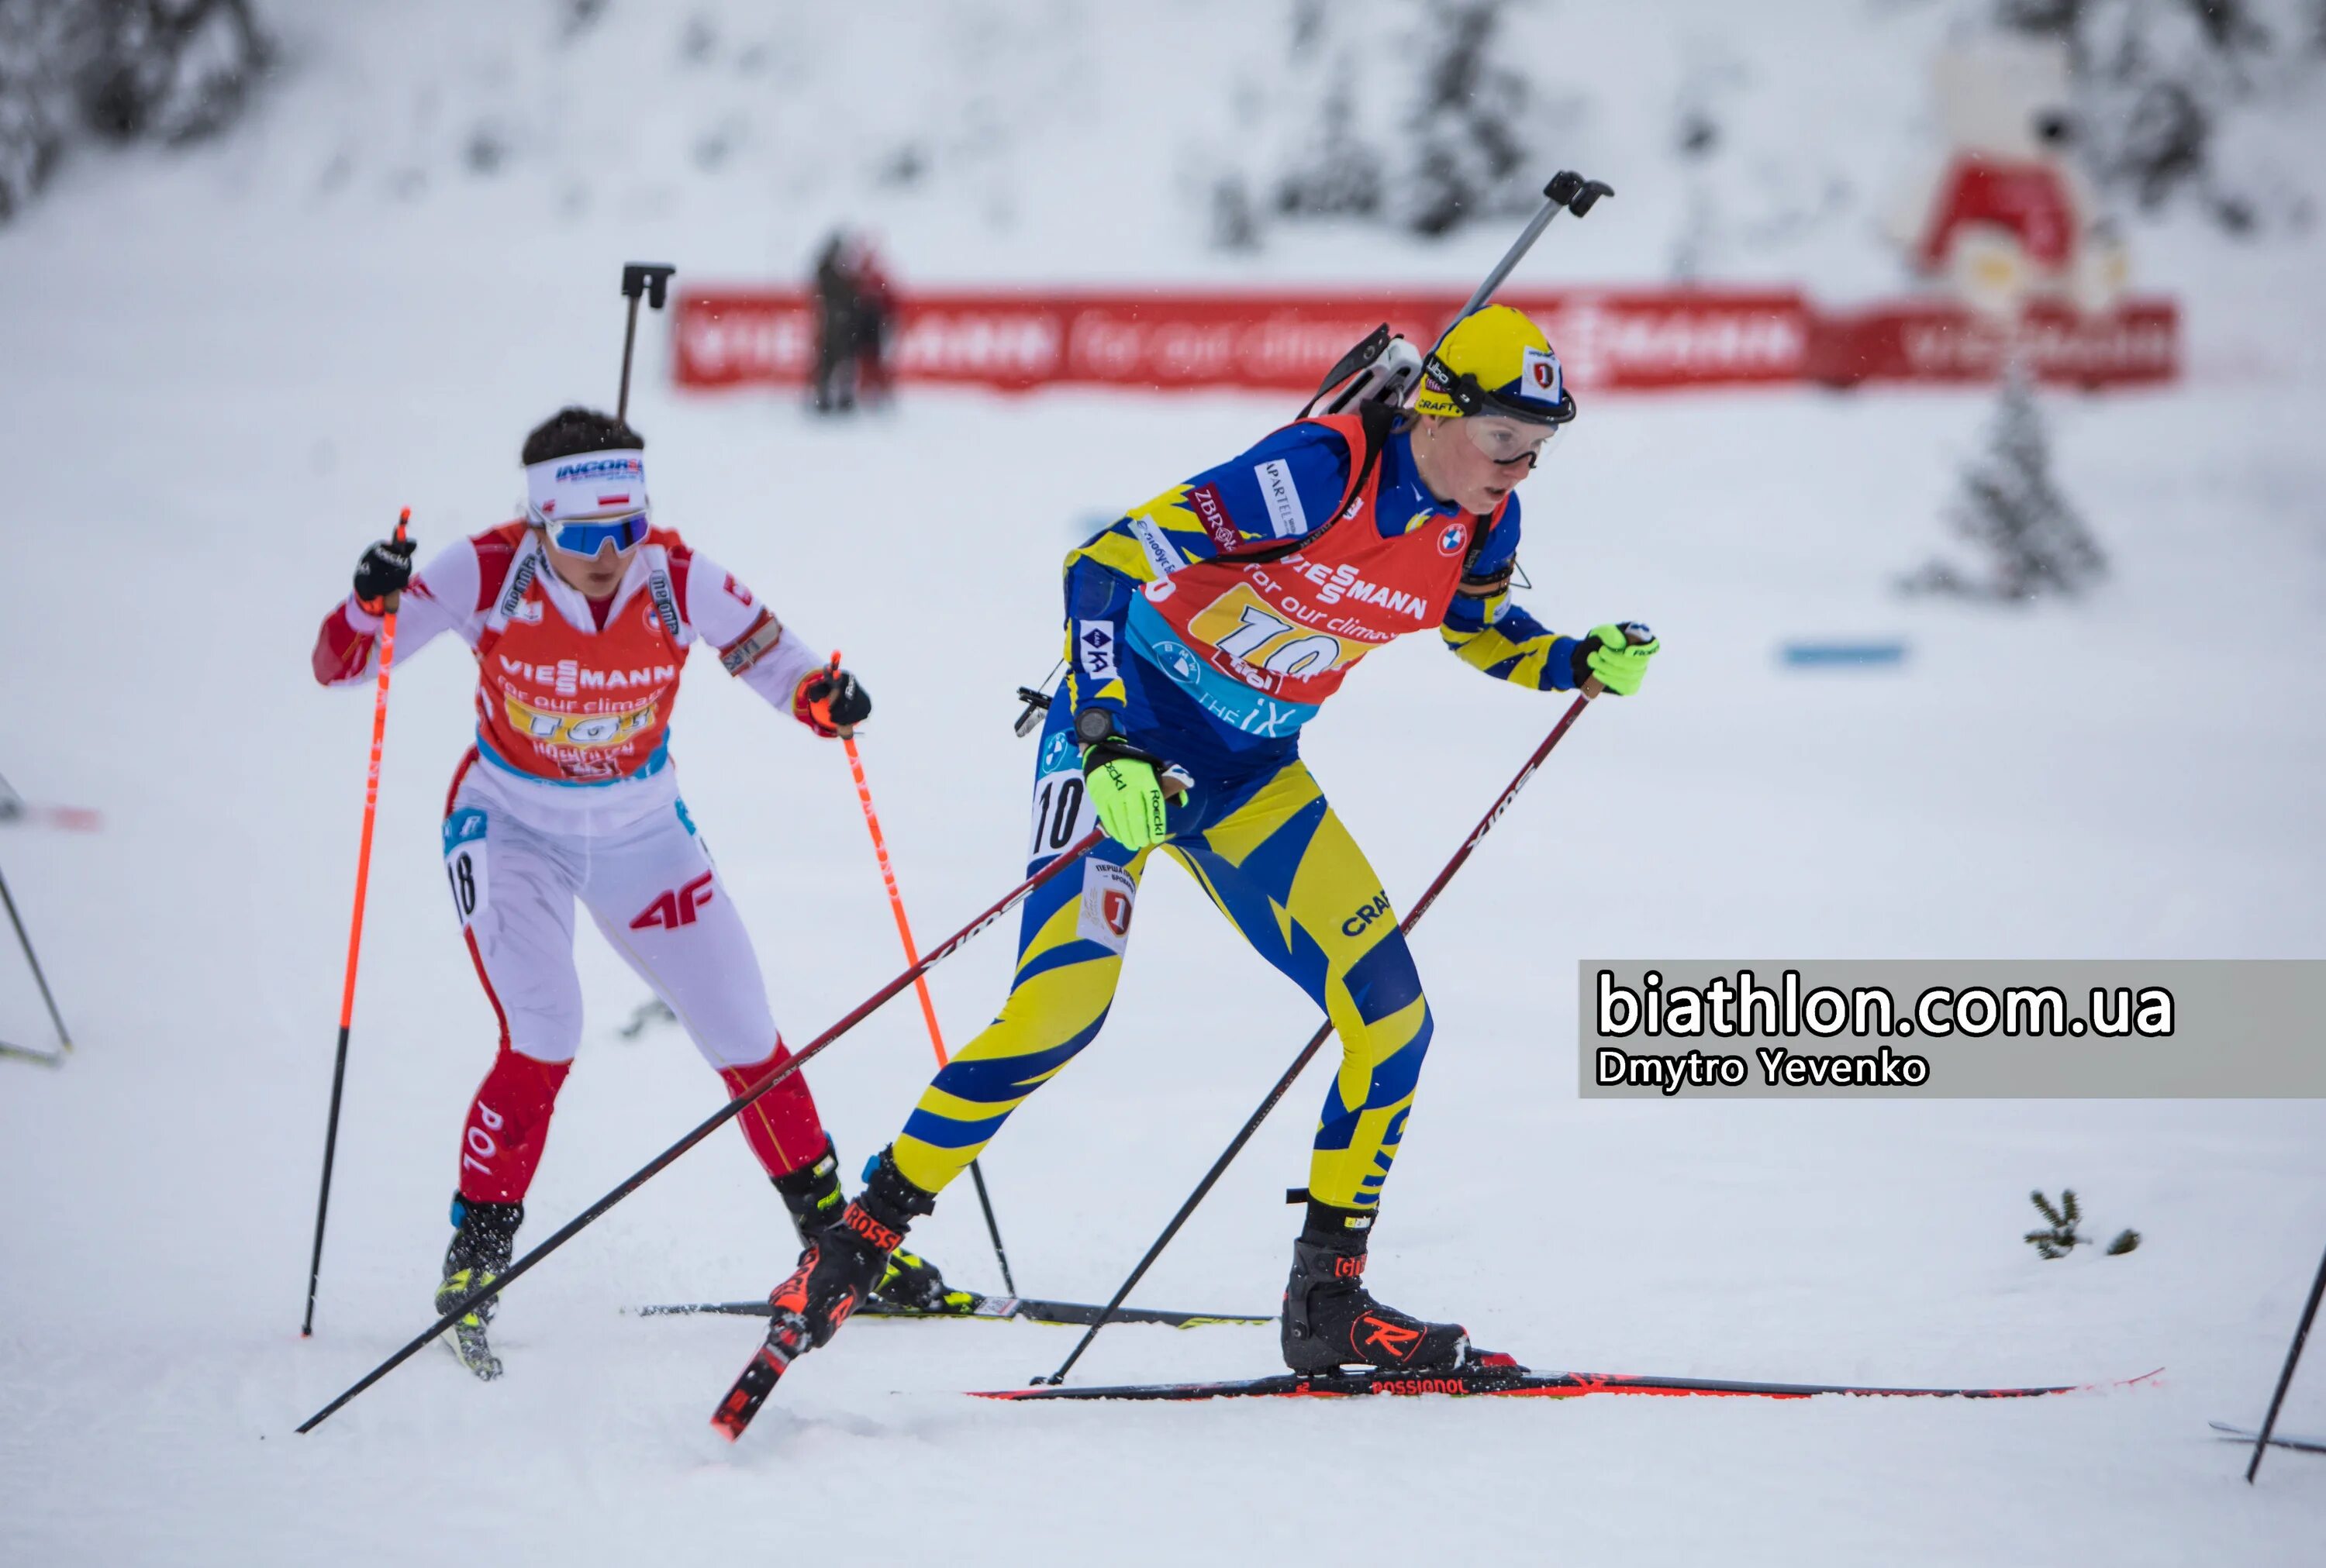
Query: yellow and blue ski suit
{"type": "Point", "coordinates": [1256, 830]}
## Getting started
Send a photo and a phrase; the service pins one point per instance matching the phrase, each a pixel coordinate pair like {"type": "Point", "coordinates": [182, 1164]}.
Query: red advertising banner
{"type": "Point", "coordinates": [1615, 339]}
{"type": "Point", "coordinates": [2138, 343]}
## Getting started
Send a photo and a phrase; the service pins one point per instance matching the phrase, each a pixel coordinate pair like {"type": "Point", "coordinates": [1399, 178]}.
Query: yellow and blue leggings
{"type": "Point", "coordinates": [1272, 855]}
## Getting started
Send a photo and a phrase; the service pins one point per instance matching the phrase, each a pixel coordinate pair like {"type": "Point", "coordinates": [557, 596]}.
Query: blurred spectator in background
{"type": "Point", "coordinates": [853, 307]}
{"type": "Point", "coordinates": [875, 312]}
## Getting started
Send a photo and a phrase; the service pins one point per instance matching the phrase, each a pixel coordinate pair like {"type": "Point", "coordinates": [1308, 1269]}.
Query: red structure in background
{"type": "Point", "coordinates": [1613, 339]}
{"type": "Point", "coordinates": [2136, 344]}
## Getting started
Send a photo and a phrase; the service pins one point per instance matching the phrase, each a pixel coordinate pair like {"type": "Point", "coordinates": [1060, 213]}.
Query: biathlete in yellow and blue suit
{"type": "Point", "coordinates": [1206, 628]}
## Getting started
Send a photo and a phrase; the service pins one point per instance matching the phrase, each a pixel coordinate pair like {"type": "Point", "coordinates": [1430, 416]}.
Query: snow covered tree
{"type": "Point", "coordinates": [166, 70]}
{"type": "Point", "coordinates": [32, 130]}
{"type": "Point", "coordinates": [2035, 542]}
{"type": "Point", "coordinates": [1418, 113]}
{"type": "Point", "coordinates": [2158, 81]}
{"type": "Point", "coordinates": [1468, 160]}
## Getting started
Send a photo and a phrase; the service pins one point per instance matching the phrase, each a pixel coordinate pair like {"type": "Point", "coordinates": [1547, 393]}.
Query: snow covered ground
{"type": "Point", "coordinates": [220, 379]}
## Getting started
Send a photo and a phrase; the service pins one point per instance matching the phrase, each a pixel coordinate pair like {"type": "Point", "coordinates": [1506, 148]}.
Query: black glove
{"type": "Point", "coordinates": [383, 569]}
{"type": "Point", "coordinates": [831, 700]}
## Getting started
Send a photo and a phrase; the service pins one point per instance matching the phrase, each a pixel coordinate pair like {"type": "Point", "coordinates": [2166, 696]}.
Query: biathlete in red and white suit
{"type": "Point", "coordinates": [582, 617]}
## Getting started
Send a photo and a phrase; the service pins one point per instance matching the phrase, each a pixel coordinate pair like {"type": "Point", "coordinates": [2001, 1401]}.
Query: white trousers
{"type": "Point", "coordinates": [648, 884]}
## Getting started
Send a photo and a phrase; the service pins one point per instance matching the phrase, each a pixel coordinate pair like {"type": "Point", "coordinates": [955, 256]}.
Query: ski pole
{"type": "Point", "coordinates": [920, 982]}
{"type": "Point", "coordinates": [651, 279]}
{"type": "Point", "coordinates": [355, 943]}
{"type": "Point", "coordinates": [703, 1129]}
{"type": "Point", "coordinates": [2285, 1378]}
{"type": "Point", "coordinates": [1567, 189]}
{"type": "Point", "coordinates": [25, 940]}
{"type": "Point", "coordinates": [1315, 1041]}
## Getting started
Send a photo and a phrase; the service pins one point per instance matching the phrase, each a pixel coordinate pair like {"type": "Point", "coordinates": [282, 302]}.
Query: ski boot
{"type": "Point", "coordinates": [1331, 1320]}
{"type": "Point", "coordinates": [839, 1266]}
{"type": "Point", "coordinates": [811, 1194]}
{"type": "Point", "coordinates": [483, 1237]}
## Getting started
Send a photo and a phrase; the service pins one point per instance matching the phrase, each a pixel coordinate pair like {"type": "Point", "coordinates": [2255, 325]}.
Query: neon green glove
{"type": "Point", "coordinates": [1125, 793]}
{"type": "Point", "coordinates": [1617, 654]}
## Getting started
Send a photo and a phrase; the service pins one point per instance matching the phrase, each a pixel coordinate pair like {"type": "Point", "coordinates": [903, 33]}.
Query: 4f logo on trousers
{"type": "Point", "coordinates": [672, 910]}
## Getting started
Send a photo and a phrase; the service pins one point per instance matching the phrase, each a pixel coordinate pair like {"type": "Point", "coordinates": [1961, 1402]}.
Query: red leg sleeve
{"type": "Point", "coordinates": [508, 1124]}
{"type": "Point", "coordinates": [781, 1125]}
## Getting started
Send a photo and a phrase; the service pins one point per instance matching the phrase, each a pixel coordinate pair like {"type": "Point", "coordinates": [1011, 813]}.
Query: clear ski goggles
{"type": "Point", "coordinates": [1507, 441]}
{"type": "Point", "coordinates": [587, 536]}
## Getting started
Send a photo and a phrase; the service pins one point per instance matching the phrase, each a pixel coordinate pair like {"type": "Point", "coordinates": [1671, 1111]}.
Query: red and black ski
{"type": "Point", "coordinates": [787, 1339]}
{"type": "Point", "coordinates": [969, 1304]}
{"type": "Point", "coordinates": [1500, 1376]}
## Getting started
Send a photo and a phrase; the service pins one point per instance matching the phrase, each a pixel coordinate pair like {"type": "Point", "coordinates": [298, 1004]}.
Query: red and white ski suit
{"type": "Point", "coordinates": [570, 794]}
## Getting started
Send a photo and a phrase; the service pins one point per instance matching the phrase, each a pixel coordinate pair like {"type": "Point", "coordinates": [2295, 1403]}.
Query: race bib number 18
{"type": "Point", "coordinates": [464, 862]}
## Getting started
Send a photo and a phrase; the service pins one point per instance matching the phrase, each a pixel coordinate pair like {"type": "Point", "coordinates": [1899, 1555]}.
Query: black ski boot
{"type": "Point", "coordinates": [1331, 1320]}
{"type": "Point", "coordinates": [845, 1261]}
{"type": "Point", "coordinates": [483, 1239]}
{"type": "Point", "coordinates": [812, 1194]}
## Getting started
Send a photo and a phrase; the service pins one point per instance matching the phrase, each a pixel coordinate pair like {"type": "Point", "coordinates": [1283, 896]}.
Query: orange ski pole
{"type": "Point", "coordinates": [920, 982]}
{"type": "Point", "coordinates": [355, 940]}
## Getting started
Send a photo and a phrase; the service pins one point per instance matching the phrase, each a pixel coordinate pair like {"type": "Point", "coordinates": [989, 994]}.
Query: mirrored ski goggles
{"type": "Point", "coordinates": [587, 536]}
{"type": "Point", "coordinates": [1508, 441]}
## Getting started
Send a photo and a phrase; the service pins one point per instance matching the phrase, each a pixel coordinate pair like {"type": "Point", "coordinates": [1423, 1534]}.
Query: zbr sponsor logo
{"type": "Point", "coordinates": [1205, 501]}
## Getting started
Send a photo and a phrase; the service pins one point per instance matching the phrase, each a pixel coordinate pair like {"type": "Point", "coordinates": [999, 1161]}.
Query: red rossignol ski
{"type": "Point", "coordinates": [787, 1342]}
{"type": "Point", "coordinates": [1499, 1374]}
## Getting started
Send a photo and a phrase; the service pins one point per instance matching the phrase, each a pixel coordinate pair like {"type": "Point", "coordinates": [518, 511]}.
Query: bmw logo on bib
{"type": "Point", "coordinates": [1179, 663]}
{"type": "Point", "coordinates": [1450, 543]}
